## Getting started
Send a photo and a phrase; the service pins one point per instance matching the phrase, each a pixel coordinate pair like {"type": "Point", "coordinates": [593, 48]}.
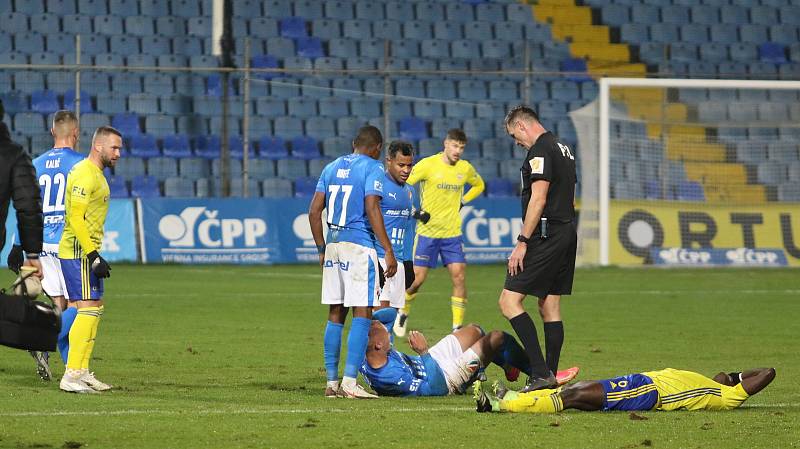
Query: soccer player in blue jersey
{"type": "Point", "coordinates": [448, 367]}
{"type": "Point", "coordinates": [396, 206]}
{"type": "Point", "coordinates": [350, 190]}
{"type": "Point", "coordinates": [52, 169]}
{"type": "Point", "coordinates": [668, 389]}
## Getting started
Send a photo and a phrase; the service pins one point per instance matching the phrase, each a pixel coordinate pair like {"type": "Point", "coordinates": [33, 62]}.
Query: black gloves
{"type": "Point", "coordinates": [99, 266]}
{"type": "Point", "coordinates": [421, 215]}
{"type": "Point", "coordinates": [15, 258]}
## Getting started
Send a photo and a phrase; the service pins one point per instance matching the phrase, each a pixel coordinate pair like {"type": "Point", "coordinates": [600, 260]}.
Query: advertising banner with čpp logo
{"type": "Point", "coordinates": [240, 231]}
{"type": "Point", "coordinates": [489, 229]}
{"type": "Point", "coordinates": [119, 238]}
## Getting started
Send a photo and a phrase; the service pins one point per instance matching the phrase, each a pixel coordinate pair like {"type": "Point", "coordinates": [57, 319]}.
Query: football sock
{"type": "Point", "coordinates": [526, 331]}
{"type": "Point", "coordinates": [356, 346]}
{"type": "Point", "coordinates": [459, 308]}
{"type": "Point", "coordinates": [79, 336]}
{"type": "Point", "coordinates": [67, 318]}
{"type": "Point", "coordinates": [540, 401]}
{"type": "Point", "coordinates": [511, 353]}
{"type": "Point", "coordinates": [331, 348]}
{"type": "Point", "coordinates": [87, 355]}
{"type": "Point", "coordinates": [553, 340]}
{"type": "Point", "coordinates": [410, 297]}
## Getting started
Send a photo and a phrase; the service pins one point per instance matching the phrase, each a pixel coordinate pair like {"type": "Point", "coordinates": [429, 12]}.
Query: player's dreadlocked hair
{"type": "Point", "coordinates": [400, 146]}
{"type": "Point", "coordinates": [520, 112]}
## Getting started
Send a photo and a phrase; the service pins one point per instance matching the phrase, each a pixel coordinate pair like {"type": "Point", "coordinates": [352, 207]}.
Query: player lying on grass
{"type": "Point", "coordinates": [668, 389]}
{"type": "Point", "coordinates": [449, 367]}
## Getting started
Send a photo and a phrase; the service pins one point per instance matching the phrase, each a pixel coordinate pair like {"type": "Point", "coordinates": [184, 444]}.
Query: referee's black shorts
{"type": "Point", "coordinates": [549, 265]}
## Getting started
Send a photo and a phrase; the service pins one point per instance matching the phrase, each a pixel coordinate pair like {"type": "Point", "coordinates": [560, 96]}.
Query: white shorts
{"type": "Point", "coordinates": [394, 290]}
{"type": "Point", "coordinates": [350, 275]}
{"type": "Point", "coordinates": [458, 366]}
{"type": "Point", "coordinates": [53, 283]}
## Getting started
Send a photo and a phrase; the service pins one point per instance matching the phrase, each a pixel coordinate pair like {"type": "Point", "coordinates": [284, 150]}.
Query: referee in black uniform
{"type": "Point", "coordinates": [542, 263]}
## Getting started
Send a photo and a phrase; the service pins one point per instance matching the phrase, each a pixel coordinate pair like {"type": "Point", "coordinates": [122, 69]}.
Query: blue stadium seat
{"type": "Point", "coordinates": [763, 15]}
{"type": "Point", "coordinates": [152, 45]}
{"type": "Point", "coordinates": [126, 123]}
{"type": "Point", "coordinates": [772, 173]}
{"type": "Point", "coordinates": [293, 27]}
{"type": "Point", "coordinates": [143, 146]}
{"type": "Point", "coordinates": [442, 89]}
{"type": "Point", "coordinates": [199, 26]}
{"type": "Point", "coordinates": [29, 123]}
{"type": "Point", "coordinates": [265, 62]}
{"type": "Point", "coordinates": [108, 24]}
{"type": "Point", "coordinates": [160, 125]}
{"type": "Point", "coordinates": [129, 167]}
{"type": "Point", "coordinates": [270, 107]}
{"type": "Point", "coordinates": [86, 101]}
{"type": "Point", "coordinates": [578, 68]}
{"type": "Point", "coordinates": [13, 58]}
{"type": "Point", "coordinates": [499, 188]}
{"type": "Point", "coordinates": [412, 128]}
{"type": "Point", "coordinates": [309, 9]}
{"type": "Point", "coordinates": [141, 26]}
{"type": "Point", "coordinates": [732, 69]}
{"type": "Point", "coordinates": [320, 127]}
{"type": "Point", "coordinates": [140, 60]}
{"type": "Point", "coordinates": [678, 15]}
{"type": "Point", "coordinates": [383, 30]}
{"type": "Point", "coordinates": [372, 48]}
{"type": "Point", "coordinates": [634, 32]}
{"type": "Point", "coordinates": [118, 187]}
{"type": "Point", "coordinates": [783, 34]}
{"type": "Point", "coordinates": [143, 104]}
{"type": "Point", "coordinates": [260, 169]}
{"type": "Point", "coordinates": [284, 87]}
{"type": "Point", "coordinates": [428, 147]}
{"type": "Point", "coordinates": [60, 7]}
{"type": "Point", "coordinates": [478, 31]}
{"type": "Point", "coordinates": [15, 22]}
{"type": "Point", "coordinates": [317, 87]}
{"type": "Point", "coordinates": [203, 61]}
{"type": "Point", "coordinates": [304, 187]}
{"type": "Point", "coordinates": [405, 49]}
{"type": "Point", "coordinates": [304, 148]}
{"type": "Point", "coordinates": [145, 187]}
{"type": "Point", "coordinates": [44, 23]}
{"type": "Point", "coordinates": [186, 8]}
{"type": "Point", "coordinates": [694, 33]}
{"type": "Point", "coordinates": [29, 42]}
{"type": "Point", "coordinates": [178, 146]}
{"type": "Point", "coordinates": [664, 32]}
{"type": "Point", "coordinates": [326, 29]}
{"type": "Point", "coordinates": [417, 30]}
{"type": "Point", "coordinates": [498, 90]}
{"type": "Point", "coordinates": [247, 8]}
{"type": "Point", "coordinates": [328, 64]}
{"type": "Point", "coordinates": [401, 11]}
{"type": "Point", "coordinates": [369, 10]}
{"type": "Point", "coordinates": [773, 112]}
{"type": "Point", "coordinates": [339, 10]}
{"type": "Point", "coordinates": [749, 153]}
{"type": "Point", "coordinates": [683, 52]}
{"type": "Point", "coordinates": [291, 168]}
{"type": "Point", "coordinates": [465, 49]}
{"type": "Point", "coordinates": [772, 53]}
{"type": "Point", "coordinates": [175, 187]}
{"type": "Point", "coordinates": [333, 107]}
{"type": "Point", "coordinates": [714, 52]}
{"type": "Point", "coordinates": [427, 11]}
{"type": "Point", "coordinates": [288, 127]}
{"type": "Point", "coordinates": [365, 107]}
{"type": "Point", "coordinates": [615, 14]}
{"type": "Point", "coordinates": [495, 49]}
{"type": "Point", "coordinates": [334, 147]}
{"type": "Point", "coordinates": [734, 15]}
{"type": "Point", "coordinates": [45, 58]}
{"type": "Point", "coordinates": [410, 88]}
{"type": "Point", "coordinates": [92, 121]}
{"type": "Point", "coordinates": [743, 52]}
{"type": "Point", "coordinates": [490, 12]}
{"type": "Point", "coordinates": [309, 47]}
{"type": "Point", "coordinates": [357, 29]}
{"type": "Point", "coordinates": [428, 109]}
{"type": "Point", "coordinates": [208, 147]}
{"type": "Point", "coordinates": [785, 152]}
{"type": "Point", "coordinates": [754, 34]}
{"type": "Point", "coordinates": [171, 26]}
{"type": "Point", "coordinates": [790, 14]}
{"type": "Point", "coordinates": [499, 148]}
{"type": "Point", "coordinates": [272, 148]}
{"type": "Point", "coordinates": [315, 167]}
{"type": "Point", "coordinates": [762, 70]}
{"type": "Point", "coordinates": [44, 101]}
{"type": "Point", "coordinates": [646, 14]}
{"type": "Point", "coordinates": [440, 126]}
{"type": "Point", "coordinates": [277, 8]}
{"type": "Point", "coordinates": [192, 125]}
{"type": "Point", "coordinates": [448, 30]}
{"type": "Point", "coordinates": [359, 63]}
{"type": "Point", "coordinates": [120, 7]}
{"type": "Point", "coordinates": [5, 43]}
{"type": "Point", "coordinates": [518, 12]}
{"type": "Point", "coordinates": [29, 6]}
{"type": "Point", "coordinates": [153, 8]}
{"type": "Point", "coordinates": [302, 107]}
{"type": "Point", "coordinates": [742, 111]}
{"type": "Point", "coordinates": [704, 14]}
{"type": "Point", "coordinates": [276, 188]}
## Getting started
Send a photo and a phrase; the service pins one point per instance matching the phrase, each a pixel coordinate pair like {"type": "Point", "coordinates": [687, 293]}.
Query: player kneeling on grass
{"type": "Point", "coordinates": [449, 367]}
{"type": "Point", "coordinates": [668, 389]}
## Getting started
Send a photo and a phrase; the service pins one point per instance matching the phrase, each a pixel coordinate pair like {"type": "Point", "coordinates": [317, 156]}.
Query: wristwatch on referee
{"type": "Point", "coordinates": [523, 239]}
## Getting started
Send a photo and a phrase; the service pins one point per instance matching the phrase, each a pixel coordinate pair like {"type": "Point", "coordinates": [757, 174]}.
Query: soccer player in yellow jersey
{"type": "Point", "coordinates": [86, 206]}
{"type": "Point", "coordinates": [668, 389]}
{"type": "Point", "coordinates": [442, 178]}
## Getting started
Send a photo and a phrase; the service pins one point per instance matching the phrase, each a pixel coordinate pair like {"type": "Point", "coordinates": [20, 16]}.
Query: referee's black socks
{"type": "Point", "coordinates": [526, 331]}
{"type": "Point", "coordinates": [553, 340]}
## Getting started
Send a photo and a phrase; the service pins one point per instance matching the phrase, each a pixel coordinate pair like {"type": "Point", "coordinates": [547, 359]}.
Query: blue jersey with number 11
{"type": "Point", "coordinates": [346, 182]}
{"type": "Point", "coordinates": [52, 169]}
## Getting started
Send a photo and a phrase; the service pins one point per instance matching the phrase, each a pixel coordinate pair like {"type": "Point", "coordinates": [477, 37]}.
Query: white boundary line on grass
{"type": "Point", "coordinates": [246, 411]}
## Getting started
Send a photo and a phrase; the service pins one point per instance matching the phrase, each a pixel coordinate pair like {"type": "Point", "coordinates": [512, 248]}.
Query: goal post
{"type": "Point", "coordinates": [684, 153]}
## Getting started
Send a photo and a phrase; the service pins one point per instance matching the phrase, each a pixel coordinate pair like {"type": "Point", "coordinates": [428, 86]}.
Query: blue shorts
{"type": "Point", "coordinates": [81, 282]}
{"type": "Point", "coordinates": [631, 392]}
{"type": "Point", "coordinates": [427, 250]}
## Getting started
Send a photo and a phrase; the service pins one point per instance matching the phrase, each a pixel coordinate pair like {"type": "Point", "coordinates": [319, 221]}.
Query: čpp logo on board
{"type": "Point", "coordinates": [210, 229]}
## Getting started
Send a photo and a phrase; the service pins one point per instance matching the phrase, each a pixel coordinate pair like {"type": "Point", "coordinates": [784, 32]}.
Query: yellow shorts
{"type": "Point", "coordinates": [687, 390]}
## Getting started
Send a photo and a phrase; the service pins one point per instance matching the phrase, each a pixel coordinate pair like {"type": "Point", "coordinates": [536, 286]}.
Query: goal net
{"type": "Point", "coordinates": [690, 172]}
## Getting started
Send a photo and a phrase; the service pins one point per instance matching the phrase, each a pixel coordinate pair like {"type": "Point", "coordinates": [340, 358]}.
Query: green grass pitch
{"type": "Point", "coordinates": [231, 357]}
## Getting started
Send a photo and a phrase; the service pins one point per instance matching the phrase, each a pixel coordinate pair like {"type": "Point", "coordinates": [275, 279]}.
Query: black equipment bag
{"type": "Point", "coordinates": [27, 324]}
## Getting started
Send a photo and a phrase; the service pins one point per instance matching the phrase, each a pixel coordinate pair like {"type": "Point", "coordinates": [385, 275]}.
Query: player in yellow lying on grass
{"type": "Point", "coordinates": [668, 389]}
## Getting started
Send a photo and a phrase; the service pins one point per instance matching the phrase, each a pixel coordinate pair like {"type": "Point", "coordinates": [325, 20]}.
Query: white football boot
{"type": "Point", "coordinates": [74, 384]}
{"type": "Point", "coordinates": [88, 378]}
{"type": "Point", "coordinates": [400, 325]}
{"type": "Point", "coordinates": [356, 392]}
